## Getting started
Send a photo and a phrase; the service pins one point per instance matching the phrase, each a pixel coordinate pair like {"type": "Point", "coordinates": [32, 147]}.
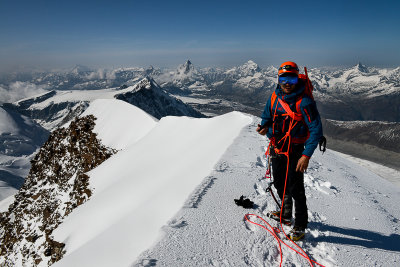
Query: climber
{"type": "Point", "coordinates": [292, 123]}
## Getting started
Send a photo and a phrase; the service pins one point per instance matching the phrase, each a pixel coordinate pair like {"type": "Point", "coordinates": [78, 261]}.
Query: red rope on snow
{"type": "Point", "coordinates": [274, 231]}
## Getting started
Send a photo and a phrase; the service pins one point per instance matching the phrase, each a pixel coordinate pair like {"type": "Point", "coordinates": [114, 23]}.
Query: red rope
{"type": "Point", "coordinates": [274, 231]}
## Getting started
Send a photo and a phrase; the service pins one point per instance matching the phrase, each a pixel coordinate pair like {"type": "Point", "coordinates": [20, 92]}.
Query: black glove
{"type": "Point", "coordinates": [245, 203]}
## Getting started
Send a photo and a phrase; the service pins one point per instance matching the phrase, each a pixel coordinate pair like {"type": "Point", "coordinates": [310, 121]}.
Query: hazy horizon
{"type": "Point", "coordinates": [29, 69]}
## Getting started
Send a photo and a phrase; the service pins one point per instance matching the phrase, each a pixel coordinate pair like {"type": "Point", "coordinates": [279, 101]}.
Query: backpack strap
{"type": "Point", "coordinates": [298, 102]}
{"type": "Point", "coordinates": [294, 115]}
{"type": "Point", "coordinates": [273, 99]}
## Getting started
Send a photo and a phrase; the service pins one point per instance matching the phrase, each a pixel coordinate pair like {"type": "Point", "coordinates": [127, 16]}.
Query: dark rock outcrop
{"type": "Point", "coordinates": [56, 184]}
{"type": "Point", "coordinates": [150, 97]}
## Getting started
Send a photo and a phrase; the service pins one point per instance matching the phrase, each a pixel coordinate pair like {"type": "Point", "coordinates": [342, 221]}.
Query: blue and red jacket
{"type": "Point", "coordinates": [308, 131]}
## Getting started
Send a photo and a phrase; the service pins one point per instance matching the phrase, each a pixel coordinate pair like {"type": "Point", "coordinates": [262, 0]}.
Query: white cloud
{"type": "Point", "coordinates": [19, 90]}
{"type": "Point", "coordinates": [99, 74]}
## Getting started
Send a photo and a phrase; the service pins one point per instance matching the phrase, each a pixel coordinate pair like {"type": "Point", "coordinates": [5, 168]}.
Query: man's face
{"type": "Point", "coordinates": [288, 88]}
{"type": "Point", "coordinates": [288, 83]}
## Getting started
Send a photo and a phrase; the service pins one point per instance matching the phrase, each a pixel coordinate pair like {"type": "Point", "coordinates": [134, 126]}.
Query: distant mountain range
{"type": "Point", "coordinates": [359, 93]}
{"type": "Point", "coordinates": [356, 93]}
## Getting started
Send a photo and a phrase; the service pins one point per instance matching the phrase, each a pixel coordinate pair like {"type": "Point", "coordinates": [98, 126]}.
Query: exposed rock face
{"type": "Point", "coordinates": [56, 184]}
{"type": "Point", "coordinates": [150, 97]}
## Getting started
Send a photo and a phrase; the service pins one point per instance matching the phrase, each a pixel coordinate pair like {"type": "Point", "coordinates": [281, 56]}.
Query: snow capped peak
{"type": "Point", "coordinates": [249, 67]}
{"type": "Point", "coordinates": [272, 69]}
{"type": "Point", "coordinates": [360, 67]}
{"type": "Point", "coordinates": [250, 64]}
{"type": "Point", "coordinates": [151, 71]}
{"type": "Point", "coordinates": [146, 83]}
{"type": "Point", "coordinates": [151, 98]}
{"type": "Point", "coordinates": [185, 68]}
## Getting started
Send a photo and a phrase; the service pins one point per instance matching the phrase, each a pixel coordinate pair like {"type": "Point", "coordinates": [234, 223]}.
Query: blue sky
{"type": "Point", "coordinates": [58, 34]}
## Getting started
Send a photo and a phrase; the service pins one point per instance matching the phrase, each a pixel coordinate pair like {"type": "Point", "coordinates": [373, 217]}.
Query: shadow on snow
{"type": "Point", "coordinates": [357, 237]}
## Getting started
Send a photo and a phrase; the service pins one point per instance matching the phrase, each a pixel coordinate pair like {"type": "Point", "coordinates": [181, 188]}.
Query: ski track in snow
{"type": "Point", "coordinates": [353, 216]}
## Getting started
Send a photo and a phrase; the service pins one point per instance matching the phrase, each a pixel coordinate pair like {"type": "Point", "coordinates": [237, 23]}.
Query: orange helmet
{"type": "Point", "coordinates": [288, 67]}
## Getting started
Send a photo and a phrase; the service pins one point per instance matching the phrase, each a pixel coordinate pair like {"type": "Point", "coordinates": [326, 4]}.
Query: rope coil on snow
{"type": "Point", "coordinates": [274, 231]}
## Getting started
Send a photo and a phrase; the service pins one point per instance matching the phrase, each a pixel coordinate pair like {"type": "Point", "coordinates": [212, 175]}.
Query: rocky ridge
{"type": "Point", "coordinates": [57, 183]}
{"type": "Point", "coordinates": [55, 108]}
{"type": "Point", "coordinates": [150, 97]}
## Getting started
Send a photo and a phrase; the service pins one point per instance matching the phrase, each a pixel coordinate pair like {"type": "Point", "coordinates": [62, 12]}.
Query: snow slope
{"type": "Point", "coordinates": [180, 178]}
{"type": "Point", "coordinates": [353, 215]}
{"type": "Point", "coordinates": [118, 123]}
{"type": "Point", "coordinates": [166, 199]}
{"type": "Point", "coordinates": [140, 188]}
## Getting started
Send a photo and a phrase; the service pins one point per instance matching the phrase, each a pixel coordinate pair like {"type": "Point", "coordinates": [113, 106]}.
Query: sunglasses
{"type": "Point", "coordinates": [288, 79]}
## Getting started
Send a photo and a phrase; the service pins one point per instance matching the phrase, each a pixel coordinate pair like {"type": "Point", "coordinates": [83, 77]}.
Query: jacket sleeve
{"type": "Point", "coordinates": [266, 117]}
{"type": "Point", "coordinates": [313, 121]}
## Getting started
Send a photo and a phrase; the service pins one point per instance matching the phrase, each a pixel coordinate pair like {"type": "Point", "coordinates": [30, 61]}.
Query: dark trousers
{"type": "Point", "coordinates": [294, 186]}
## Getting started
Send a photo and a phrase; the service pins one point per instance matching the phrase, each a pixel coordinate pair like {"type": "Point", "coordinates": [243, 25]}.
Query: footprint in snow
{"type": "Point", "coordinates": [195, 199]}
{"type": "Point", "coordinates": [222, 167]}
{"type": "Point", "coordinates": [319, 185]}
{"type": "Point", "coordinates": [260, 162]}
{"type": "Point", "coordinates": [177, 223]}
{"type": "Point", "coordinates": [148, 263]}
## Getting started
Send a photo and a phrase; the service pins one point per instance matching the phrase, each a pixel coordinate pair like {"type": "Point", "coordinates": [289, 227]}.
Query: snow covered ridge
{"type": "Point", "coordinates": [130, 209]}
{"type": "Point", "coordinates": [56, 185]}
{"type": "Point", "coordinates": [60, 181]}
{"type": "Point", "coordinates": [111, 114]}
{"type": "Point", "coordinates": [55, 108]}
{"type": "Point", "coordinates": [166, 199]}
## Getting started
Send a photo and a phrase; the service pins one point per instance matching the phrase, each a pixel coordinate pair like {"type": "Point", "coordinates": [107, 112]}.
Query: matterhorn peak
{"type": "Point", "coordinates": [360, 67]}
{"type": "Point", "coordinates": [185, 68]}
